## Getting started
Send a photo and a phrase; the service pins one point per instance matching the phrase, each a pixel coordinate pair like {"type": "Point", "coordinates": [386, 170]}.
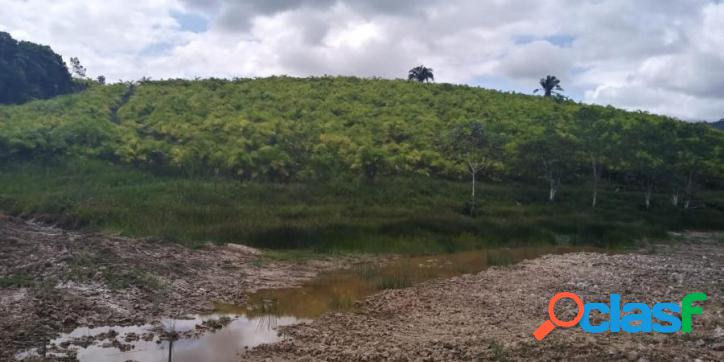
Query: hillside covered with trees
{"type": "Point", "coordinates": [30, 71]}
{"type": "Point", "coordinates": [340, 130]}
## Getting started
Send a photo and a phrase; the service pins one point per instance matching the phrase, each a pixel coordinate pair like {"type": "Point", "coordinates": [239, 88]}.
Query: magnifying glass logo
{"type": "Point", "coordinates": [551, 324]}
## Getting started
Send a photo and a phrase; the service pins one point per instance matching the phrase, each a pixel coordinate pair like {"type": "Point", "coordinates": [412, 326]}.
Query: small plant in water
{"type": "Point", "coordinates": [367, 271]}
{"type": "Point", "coordinates": [494, 258]}
{"type": "Point", "coordinates": [395, 281]}
{"type": "Point", "coordinates": [344, 302]}
{"type": "Point", "coordinates": [169, 332]}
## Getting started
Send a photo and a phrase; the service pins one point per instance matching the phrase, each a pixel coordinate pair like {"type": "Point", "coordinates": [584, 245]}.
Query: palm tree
{"type": "Point", "coordinates": [551, 86]}
{"type": "Point", "coordinates": [421, 74]}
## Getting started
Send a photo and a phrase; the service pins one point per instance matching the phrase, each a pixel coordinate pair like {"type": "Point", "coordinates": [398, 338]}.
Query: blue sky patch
{"type": "Point", "coordinates": [191, 22]}
{"type": "Point", "coordinates": [559, 40]}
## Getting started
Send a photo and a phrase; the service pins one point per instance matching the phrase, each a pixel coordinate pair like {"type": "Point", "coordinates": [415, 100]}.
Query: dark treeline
{"type": "Point", "coordinates": [30, 71]}
{"type": "Point", "coordinates": [284, 129]}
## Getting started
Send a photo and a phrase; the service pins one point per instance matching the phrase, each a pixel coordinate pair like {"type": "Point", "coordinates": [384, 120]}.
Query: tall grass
{"type": "Point", "coordinates": [409, 216]}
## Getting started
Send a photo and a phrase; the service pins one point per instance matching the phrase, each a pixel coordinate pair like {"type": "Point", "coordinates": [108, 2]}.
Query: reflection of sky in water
{"type": "Point", "coordinates": [223, 345]}
{"type": "Point", "coordinates": [268, 309]}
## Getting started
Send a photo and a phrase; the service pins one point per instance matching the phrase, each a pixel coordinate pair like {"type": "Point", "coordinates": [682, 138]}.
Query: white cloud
{"type": "Point", "coordinates": [659, 55]}
{"type": "Point", "coordinates": [533, 60]}
{"type": "Point", "coordinates": [657, 100]}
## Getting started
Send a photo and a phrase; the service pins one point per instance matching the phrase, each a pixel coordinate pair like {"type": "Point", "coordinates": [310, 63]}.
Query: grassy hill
{"type": "Point", "coordinates": [352, 164]}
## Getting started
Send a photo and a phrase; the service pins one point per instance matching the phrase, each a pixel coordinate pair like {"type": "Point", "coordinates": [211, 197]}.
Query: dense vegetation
{"type": "Point", "coordinates": [345, 161]}
{"type": "Point", "coordinates": [718, 124]}
{"type": "Point", "coordinates": [30, 71]}
{"type": "Point", "coordinates": [407, 215]}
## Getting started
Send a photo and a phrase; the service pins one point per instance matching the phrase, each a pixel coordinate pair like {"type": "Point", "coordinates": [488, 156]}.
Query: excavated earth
{"type": "Point", "coordinates": [53, 280]}
{"type": "Point", "coordinates": [491, 315]}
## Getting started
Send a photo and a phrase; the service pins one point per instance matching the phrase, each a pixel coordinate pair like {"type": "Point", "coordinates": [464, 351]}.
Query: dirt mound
{"type": "Point", "coordinates": [491, 315]}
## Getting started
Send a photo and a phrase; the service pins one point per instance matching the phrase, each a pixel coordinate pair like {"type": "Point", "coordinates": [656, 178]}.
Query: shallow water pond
{"type": "Point", "coordinates": [256, 322]}
{"type": "Point", "coordinates": [192, 345]}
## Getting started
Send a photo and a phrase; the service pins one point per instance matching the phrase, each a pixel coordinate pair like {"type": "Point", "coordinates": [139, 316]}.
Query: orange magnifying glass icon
{"type": "Point", "coordinates": [551, 324]}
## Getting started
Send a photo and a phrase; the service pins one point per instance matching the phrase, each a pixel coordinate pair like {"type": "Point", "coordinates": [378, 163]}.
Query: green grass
{"type": "Point", "coordinates": [17, 280]}
{"type": "Point", "coordinates": [402, 215]}
{"type": "Point", "coordinates": [84, 267]}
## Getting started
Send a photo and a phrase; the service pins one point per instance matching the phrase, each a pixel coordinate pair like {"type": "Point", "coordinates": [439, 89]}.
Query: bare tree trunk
{"type": "Point", "coordinates": [649, 191]}
{"type": "Point", "coordinates": [552, 191]}
{"type": "Point", "coordinates": [675, 197]}
{"type": "Point", "coordinates": [596, 176]}
{"type": "Point", "coordinates": [689, 189]}
{"type": "Point", "coordinates": [473, 172]}
{"type": "Point", "coordinates": [472, 198]}
{"type": "Point", "coordinates": [555, 185]}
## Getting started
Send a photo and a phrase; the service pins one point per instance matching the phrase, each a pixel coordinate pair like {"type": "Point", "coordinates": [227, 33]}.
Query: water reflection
{"type": "Point", "coordinates": [257, 321]}
{"type": "Point", "coordinates": [220, 345]}
{"type": "Point", "coordinates": [338, 290]}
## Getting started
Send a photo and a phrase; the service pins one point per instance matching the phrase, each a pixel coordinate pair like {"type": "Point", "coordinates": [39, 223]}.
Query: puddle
{"type": "Point", "coordinates": [192, 345]}
{"type": "Point", "coordinates": [338, 290]}
{"type": "Point", "coordinates": [256, 323]}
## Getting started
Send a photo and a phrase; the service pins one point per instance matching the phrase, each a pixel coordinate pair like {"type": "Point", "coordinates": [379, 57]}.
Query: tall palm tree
{"type": "Point", "coordinates": [421, 74]}
{"type": "Point", "coordinates": [551, 86]}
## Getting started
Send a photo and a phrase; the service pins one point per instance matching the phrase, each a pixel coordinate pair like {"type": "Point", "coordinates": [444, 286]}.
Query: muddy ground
{"type": "Point", "coordinates": [491, 315]}
{"type": "Point", "coordinates": [53, 280]}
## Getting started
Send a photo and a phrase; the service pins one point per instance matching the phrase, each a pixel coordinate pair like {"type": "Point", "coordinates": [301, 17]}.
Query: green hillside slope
{"type": "Point", "coordinates": [354, 164]}
{"type": "Point", "coordinates": [284, 129]}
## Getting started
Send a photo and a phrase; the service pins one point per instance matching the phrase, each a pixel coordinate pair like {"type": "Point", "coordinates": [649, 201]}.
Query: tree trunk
{"type": "Point", "coordinates": [689, 189]}
{"type": "Point", "coordinates": [555, 185]}
{"type": "Point", "coordinates": [596, 176]}
{"type": "Point", "coordinates": [675, 197]}
{"type": "Point", "coordinates": [472, 195]}
{"type": "Point", "coordinates": [649, 191]}
{"type": "Point", "coordinates": [552, 186]}
{"type": "Point", "coordinates": [473, 173]}
{"type": "Point", "coordinates": [552, 191]}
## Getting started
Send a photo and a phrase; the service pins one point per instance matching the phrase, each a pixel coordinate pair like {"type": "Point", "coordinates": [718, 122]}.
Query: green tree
{"type": "Point", "coordinates": [696, 150]}
{"type": "Point", "coordinates": [30, 71]}
{"type": "Point", "coordinates": [421, 74]}
{"type": "Point", "coordinates": [477, 149]}
{"type": "Point", "coordinates": [598, 135]}
{"type": "Point", "coordinates": [371, 161]}
{"type": "Point", "coordinates": [78, 69]}
{"type": "Point", "coordinates": [551, 86]}
{"type": "Point", "coordinates": [646, 152]}
{"type": "Point", "coordinates": [549, 152]}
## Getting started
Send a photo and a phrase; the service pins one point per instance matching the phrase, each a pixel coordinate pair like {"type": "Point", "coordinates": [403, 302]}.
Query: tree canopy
{"type": "Point", "coordinates": [551, 86]}
{"type": "Point", "coordinates": [30, 71]}
{"type": "Point", "coordinates": [421, 74]}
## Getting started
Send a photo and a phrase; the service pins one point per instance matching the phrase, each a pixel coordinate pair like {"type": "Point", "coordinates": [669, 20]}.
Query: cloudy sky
{"type": "Point", "coordinates": [663, 56]}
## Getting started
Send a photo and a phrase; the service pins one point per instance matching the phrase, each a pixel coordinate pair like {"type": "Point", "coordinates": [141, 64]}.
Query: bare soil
{"type": "Point", "coordinates": [491, 315]}
{"type": "Point", "coordinates": [53, 280]}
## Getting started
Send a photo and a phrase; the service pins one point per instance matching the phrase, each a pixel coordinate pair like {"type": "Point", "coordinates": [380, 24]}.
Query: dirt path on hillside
{"type": "Point", "coordinates": [491, 315]}
{"type": "Point", "coordinates": [53, 281]}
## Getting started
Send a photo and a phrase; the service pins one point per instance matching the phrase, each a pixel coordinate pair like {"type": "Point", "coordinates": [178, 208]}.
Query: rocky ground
{"type": "Point", "coordinates": [53, 280]}
{"type": "Point", "coordinates": [491, 315]}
